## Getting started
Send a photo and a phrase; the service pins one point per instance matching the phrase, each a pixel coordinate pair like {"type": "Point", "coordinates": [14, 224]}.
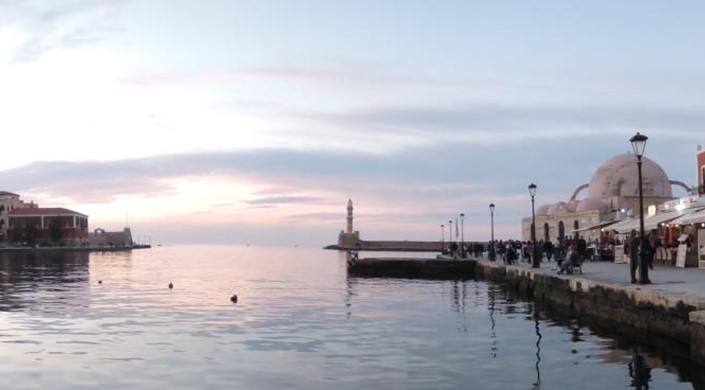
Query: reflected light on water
{"type": "Point", "coordinates": [300, 322]}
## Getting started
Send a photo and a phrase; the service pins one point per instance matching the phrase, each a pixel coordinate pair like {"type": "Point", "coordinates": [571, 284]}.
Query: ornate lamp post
{"type": "Point", "coordinates": [491, 249]}
{"type": "Point", "coordinates": [534, 258]}
{"type": "Point", "coordinates": [639, 144]}
{"type": "Point", "coordinates": [462, 235]}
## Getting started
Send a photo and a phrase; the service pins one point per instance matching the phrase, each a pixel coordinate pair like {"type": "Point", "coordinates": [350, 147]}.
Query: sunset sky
{"type": "Point", "coordinates": [254, 121]}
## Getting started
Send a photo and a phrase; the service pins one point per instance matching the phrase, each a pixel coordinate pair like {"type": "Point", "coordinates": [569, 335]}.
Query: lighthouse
{"type": "Point", "coordinates": [350, 216]}
{"type": "Point", "coordinates": [348, 238]}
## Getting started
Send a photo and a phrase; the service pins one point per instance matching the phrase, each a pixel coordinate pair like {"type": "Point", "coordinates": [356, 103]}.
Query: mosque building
{"type": "Point", "coordinates": [612, 195]}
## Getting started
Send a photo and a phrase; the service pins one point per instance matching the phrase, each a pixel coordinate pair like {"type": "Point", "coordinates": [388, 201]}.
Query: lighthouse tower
{"type": "Point", "coordinates": [349, 237]}
{"type": "Point", "coordinates": [350, 216]}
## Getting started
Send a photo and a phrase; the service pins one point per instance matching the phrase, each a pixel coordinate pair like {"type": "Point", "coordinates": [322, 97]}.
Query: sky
{"type": "Point", "coordinates": [233, 122]}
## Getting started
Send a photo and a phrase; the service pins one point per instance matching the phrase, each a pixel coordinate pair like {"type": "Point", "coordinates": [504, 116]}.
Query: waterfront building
{"type": "Point", "coordinates": [612, 195]}
{"type": "Point", "coordinates": [701, 170]}
{"type": "Point", "coordinates": [47, 225]}
{"type": "Point", "coordinates": [104, 239]}
{"type": "Point", "coordinates": [9, 202]}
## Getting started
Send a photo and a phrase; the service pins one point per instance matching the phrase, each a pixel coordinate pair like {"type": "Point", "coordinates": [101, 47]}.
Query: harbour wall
{"type": "Point", "coordinates": [672, 316]}
{"type": "Point", "coordinates": [396, 246]}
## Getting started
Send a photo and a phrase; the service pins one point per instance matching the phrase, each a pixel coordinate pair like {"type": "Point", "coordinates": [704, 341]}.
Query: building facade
{"type": "Point", "coordinates": [612, 194]}
{"type": "Point", "coordinates": [104, 239]}
{"type": "Point", "coordinates": [47, 225]}
{"type": "Point", "coordinates": [701, 170]}
{"type": "Point", "coordinates": [9, 202]}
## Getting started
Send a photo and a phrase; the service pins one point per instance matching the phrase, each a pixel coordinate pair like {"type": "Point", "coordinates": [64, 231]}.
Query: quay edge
{"type": "Point", "coordinates": [675, 316]}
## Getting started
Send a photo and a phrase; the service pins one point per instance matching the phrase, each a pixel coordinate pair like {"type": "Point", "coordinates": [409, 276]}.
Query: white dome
{"type": "Point", "coordinates": [618, 176]}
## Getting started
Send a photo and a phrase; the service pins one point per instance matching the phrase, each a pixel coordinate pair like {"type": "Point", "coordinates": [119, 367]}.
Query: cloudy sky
{"type": "Point", "coordinates": [229, 121]}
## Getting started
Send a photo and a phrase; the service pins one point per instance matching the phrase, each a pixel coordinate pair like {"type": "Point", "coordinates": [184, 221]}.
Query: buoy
{"type": "Point", "coordinates": [171, 285]}
{"type": "Point", "coordinates": [233, 299]}
{"type": "Point", "coordinates": [100, 282]}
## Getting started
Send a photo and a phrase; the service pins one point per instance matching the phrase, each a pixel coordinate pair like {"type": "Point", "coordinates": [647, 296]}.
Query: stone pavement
{"type": "Point", "coordinates": [689, 281]}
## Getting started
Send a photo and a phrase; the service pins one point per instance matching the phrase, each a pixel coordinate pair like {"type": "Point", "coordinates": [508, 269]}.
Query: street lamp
{"type": "Point", "coordinates": [450, 237]}
{"type": "Point", "coordinates": [534, 257]}
{"type": "Point", "coordinates": [462, 235]}
{"type": "Point", "coordinates": [443, 237]}
{"type": "Point", "coordinates": [491, 250]}
{"type": "Point", "coordinates": [450, 232]}
{"type": "Point", "coordinates": [639, 144]}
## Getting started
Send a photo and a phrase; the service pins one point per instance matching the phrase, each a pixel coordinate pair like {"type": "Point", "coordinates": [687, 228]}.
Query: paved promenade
{"type": "Point", "coordinates": [689, 281]}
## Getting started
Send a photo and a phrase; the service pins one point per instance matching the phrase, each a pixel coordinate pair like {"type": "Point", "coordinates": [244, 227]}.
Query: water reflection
{"type": "Point", "coordinates": [558, 347]}
{"type": "Point", "coordinates": [639, 371]}
{"type": "Point", "coordinates": [537, 383]}
{"type": "Point", "coordinates": [491, 291]}
{"type": "Point", "coordinates": [27, 277]}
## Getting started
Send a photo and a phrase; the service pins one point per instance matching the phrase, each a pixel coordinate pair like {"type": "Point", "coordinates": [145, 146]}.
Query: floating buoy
{"type": "Point", "coordinates": [171, 285]}
{"type": "Point", "coordinates": [233, 299]}
{"type": "Point", "coordinates": [100, 282]}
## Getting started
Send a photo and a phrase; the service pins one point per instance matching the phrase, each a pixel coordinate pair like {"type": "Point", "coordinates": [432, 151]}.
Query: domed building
{"type": "Point", "coordinates": [612, 193]}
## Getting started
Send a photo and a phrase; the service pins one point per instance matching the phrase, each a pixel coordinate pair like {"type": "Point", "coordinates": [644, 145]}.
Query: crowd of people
{"type": "Point", "coordinates": [516, 251]}
{"type": "Point", "coordinates": [575, 250]}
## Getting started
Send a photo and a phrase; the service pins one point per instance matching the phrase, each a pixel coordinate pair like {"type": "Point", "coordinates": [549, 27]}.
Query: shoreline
{"type": "Point", "coordinates": [70, 249]}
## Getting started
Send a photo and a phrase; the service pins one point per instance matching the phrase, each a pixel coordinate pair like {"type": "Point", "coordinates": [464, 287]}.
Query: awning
{"type": "Point", "coordinates": [694, 217]}
{"type": "Point", "coordinates": [626, 225]}
{"type": "Point", "coordinates": [653, 222]}
{"type": "Point", "coordinates": [593, 227]}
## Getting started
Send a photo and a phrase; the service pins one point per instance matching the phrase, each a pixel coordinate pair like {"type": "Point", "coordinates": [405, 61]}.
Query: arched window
{"type": "Point", "coordinates": [561, 231]}
{"type": "Point", "coordinates": [545, 232]}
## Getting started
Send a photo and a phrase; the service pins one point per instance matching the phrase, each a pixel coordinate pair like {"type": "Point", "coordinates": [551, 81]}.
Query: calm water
{"type": "Point", "coordinates": [300, 323]}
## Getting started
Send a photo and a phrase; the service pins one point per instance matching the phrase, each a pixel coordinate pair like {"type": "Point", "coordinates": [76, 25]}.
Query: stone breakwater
{"type": "Point", "coordinates": [679, 317]}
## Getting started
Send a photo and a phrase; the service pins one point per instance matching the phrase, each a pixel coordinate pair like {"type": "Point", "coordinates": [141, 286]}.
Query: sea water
{"type": "Point", "coordinates": [110, 321]}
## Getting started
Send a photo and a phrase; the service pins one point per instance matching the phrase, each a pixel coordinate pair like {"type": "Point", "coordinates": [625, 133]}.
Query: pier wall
{"type": "Point", "coordinates": [678, 317]}
{"type": "Point", "coordinates": [397, 246]}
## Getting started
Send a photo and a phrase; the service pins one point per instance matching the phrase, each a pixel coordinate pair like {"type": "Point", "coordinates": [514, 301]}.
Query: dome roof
{"type": "Point", "coordinates": [572, 206]}
{"type": "Point", "coordinates": [591, 204]}
{"type": "Point", "coordinates": [557, 208]}
{"type": "Point", "coordinates": [618, 176]}
{"type": "Point", "coordinates": [543, 210]}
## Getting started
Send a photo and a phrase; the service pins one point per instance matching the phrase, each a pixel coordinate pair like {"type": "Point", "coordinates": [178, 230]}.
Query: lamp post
{"type": "Point", "coordinates": [491, 249]}
{"type": "Point", "coordinates": [462, 235]}
{"type": "Point", "coordinates": [639, 144]}
{"type": "Point", "coordinates": [534, 258]}
{"type": "Point", "coordinates": [450, 232]}
{"type": "Point", "coordinates": [443, 237]}
{"type": "Point", "coordinates": [450, 237]}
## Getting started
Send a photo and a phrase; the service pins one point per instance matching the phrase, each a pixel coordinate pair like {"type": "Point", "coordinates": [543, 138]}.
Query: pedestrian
{"type": "Point", "coordinates": [631, 248]}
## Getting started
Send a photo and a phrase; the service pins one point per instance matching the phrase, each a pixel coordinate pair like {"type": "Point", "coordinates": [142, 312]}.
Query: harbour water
{"type": "Point", "coordinates": [109, 320]}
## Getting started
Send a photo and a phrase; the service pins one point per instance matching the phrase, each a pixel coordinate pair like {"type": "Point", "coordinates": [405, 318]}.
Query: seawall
{"type": "Point", "coordinates": [396, 246]}
{"type": "Point", "coordinates": [679, 317]}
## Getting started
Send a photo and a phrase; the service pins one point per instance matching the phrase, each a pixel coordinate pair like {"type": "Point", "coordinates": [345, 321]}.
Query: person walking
{"type": "Point", "coordinates": [631, 248]}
